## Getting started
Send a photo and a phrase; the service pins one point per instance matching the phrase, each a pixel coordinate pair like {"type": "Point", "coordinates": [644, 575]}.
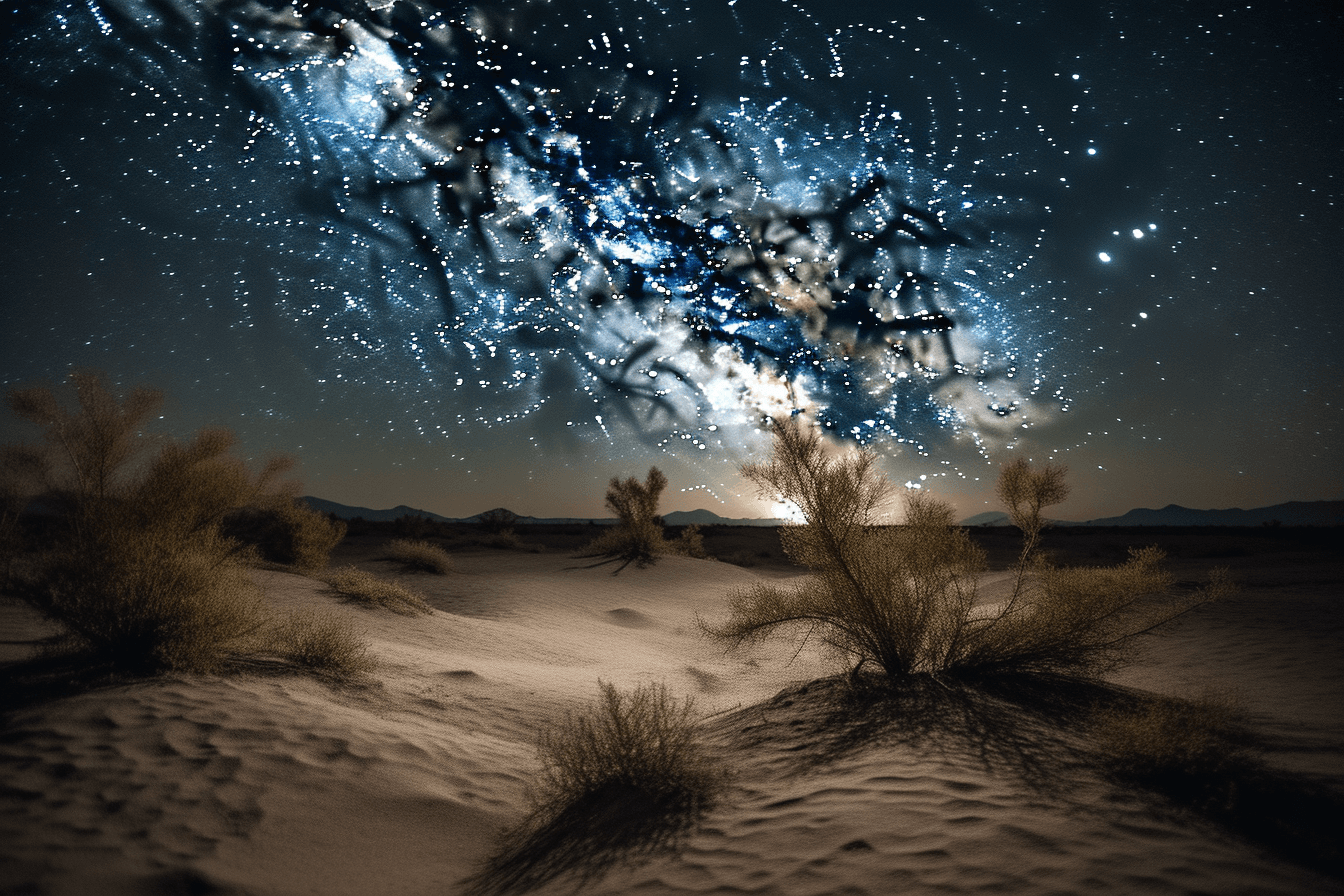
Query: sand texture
{"type": "Point", "coordinates": [266, 781]}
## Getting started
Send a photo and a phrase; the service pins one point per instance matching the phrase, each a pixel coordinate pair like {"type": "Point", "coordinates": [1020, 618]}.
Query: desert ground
{"type": "Point", "coordinates": [263, 780]}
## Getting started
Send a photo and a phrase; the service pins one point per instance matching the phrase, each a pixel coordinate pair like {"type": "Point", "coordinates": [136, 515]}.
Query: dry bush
{"type": "Point", "coordinates": [637, 536]}
{"type": "Point", "coordinates": [420, 555]}
{"type": "Point", "coordinates": [139, 572]}
{"type": "Point", "coordinates": [508, 540]}
{"type": "Point", "coordinates": [1190, 750]}
{"type": "Point", "coordinates": [639, 543]}
{"type": "Point", "coordinates": [147, 601]}
{"type": "Point", "coordinates": [690, 543]}
{"type": "Point", "coordinates": [741, 558]}
{"type": "Point", "coordinates": [904, 597]}
{"type": "Point", "coordinates": [497, 521]}
{"type": "Point", "coordinates": [288, 531]}
{"type": "Point", "coordinates": [641, 745]}
{"type": "Point", "coordinates": [367, 588]}
{"type": "Point", "coordinates": [323, 643]}
{"type": "Point", "coordinates": [622, 780]}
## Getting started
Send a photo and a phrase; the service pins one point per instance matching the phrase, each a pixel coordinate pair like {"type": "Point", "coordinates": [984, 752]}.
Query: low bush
{"type": "Point", "coordinates": [367, 588]}
{"type": "Point", "coordinates": [1189, 749]}
{"type": "Point", "coordinates": [288, 532]}
{"type": "Point", "coordinates": [150, 601]}
{"type": "Point", "coordinates": [497, 521]}
{"type": "Point", "coordinates": [421, 555]}
{"type": "Point", "coordinates": [690, 543]}
{"type": "Point", "coordinates": [625, 778]}
{"type": "Point", "coordinates": [323, 643]}
{"type": "Point", "coordinates": [639, 542]}
{"type": "Point", "coordinates": [640, 743]}
{"type": "Point", "coordinates": [741, 558]}
{"type": "Point", "coordinates": [637, 536]}
{"type": "Point", "coordinates": [137, 570]}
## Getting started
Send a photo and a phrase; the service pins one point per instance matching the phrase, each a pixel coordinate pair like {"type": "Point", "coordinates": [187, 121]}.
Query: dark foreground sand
{"type": "Point", "coordinates": [276, 783]}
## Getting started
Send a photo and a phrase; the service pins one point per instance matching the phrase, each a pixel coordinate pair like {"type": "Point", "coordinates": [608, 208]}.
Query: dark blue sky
{"type": "Point", "coordinates": [468, 255]}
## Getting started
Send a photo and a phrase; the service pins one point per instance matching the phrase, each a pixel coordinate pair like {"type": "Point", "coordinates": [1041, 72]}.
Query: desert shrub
{"type": "Point", "coordinates": [150, 600]}
{"type": "Point", "coordinates": [138, 571]}
{"type": "Point", "coordinates": [420, 555]}
{"type": "Point", "coordinates": [640, 744]}
{"type": "Point", "coordinates": [508, 540]}
{"type": "Point", "coordinates": [690, 543]}
{"type": "Point", "coordinates": [323, 643]}
{"type": "Point", "coordinates": [288, 532]}
{"type": "Point", "coordinates": [1192, 750]}
{"type": "Point", "coordinates": [21, 470]}
{"type": "Point", "coordinates": [622, 779]}
{"type": "Point", "coordinates": [741, 558]}
{"type": "Point", "coordinates": [367, 588]}
{"type": "Point", "coordinates": [637, 536]}
{"type": "Point", "coordinates": [497, 521]}
{"type": "Point", "coordinates": [412, 525]}
{"type": "Point", "coordinates": [904, 598]}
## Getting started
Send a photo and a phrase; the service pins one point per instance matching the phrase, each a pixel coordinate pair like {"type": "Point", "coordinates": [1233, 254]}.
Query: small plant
{"type": "Point", "coordinates": [421, 555]}
{"type": "Point", "coordinates": [149, 601]}
{"type": "Point", "coordinates": [508, 540]}
{"type": "Point", "coordinates": [1192, 750]}
{"type": "Point", "coordinates": [640, 744]}
{"type": "Point", "coordinates": [497, 521]}
{"type": "Point", "coordinates": [903, 598]}
{"type": "Point", "coordinates": [324, 644]}
{"type": "Point", "coordinates": [637, 536]}
{"type": "Point", "coordinates": [624, 778]}
{"type": "Point", "coordinates": [366, 588]}
{"type": "Point", "coordinates": [288, 531]}
{"type": "Point", "coordinates": [690, 543]}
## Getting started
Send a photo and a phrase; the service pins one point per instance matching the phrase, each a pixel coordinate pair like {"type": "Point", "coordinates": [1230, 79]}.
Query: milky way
{"type": "Point", "coordinates": [655, 219]}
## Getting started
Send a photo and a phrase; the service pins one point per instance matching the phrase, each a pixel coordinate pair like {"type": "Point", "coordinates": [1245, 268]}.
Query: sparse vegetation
{"type": "Point", "coordinates": [1192, 750]}
{"type": "Point", "coordinates": [904, 598]}
{"type": "Point", "coordinates": [138, 571]}
{"type": "Point", "coordinates": [497, 521]}
{"type": "Point", "coordinates": [323, 643]}
{"type": "Point", "coordinates": [288, 532]}
{"type": "Point", "coordinates": [690, 543]}
{"type": "Point", "coordinates": [367, 588]}
{"type": "Point", "coordinates": [637, 536]}
{"type": "Point", "coordinates": [625, 777]}
{"type": "Point", "coordinates": [639, 744]}
{"type": "Point", "coordinates": [421, 555]}
{"type": "Point", "coordinates": [508, 540]}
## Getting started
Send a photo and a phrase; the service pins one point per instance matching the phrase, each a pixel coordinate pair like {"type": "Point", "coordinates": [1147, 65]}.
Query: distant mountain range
{"type": "Point", "coordinates": [1293, 513]}
{"type": "Point", "coordinates": [675, 518]}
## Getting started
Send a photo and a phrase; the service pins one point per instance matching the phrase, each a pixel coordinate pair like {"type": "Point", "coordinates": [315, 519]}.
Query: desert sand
{"type": "Point", "coordinates": [267, 781]}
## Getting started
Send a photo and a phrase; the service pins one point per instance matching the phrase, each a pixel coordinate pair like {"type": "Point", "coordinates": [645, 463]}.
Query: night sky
{"type": "Point", "coordinates": [461, 255]}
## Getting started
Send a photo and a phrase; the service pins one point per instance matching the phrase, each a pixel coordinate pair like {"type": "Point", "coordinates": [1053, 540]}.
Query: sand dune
{"type": "Point", "coordinates": [269, 782]}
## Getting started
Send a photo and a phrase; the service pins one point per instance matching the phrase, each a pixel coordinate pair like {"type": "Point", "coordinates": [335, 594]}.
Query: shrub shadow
{"type": "Point", "coordinates": [1039, 730]}
{"type": "Point", "coordinates": [616, 826]}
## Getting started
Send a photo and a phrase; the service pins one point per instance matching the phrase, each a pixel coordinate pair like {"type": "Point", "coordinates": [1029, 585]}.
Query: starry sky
{"type": "Point", "coordinates": [467, 255]}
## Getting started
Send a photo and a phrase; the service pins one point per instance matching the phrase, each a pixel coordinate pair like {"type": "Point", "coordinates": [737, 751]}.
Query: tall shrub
{"type": "Point", "coordinates": [904, 598]}
{"type": "Point", "coordinates": [140, 573]}
{"type": "Point", "coordinates": [638, 534]}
